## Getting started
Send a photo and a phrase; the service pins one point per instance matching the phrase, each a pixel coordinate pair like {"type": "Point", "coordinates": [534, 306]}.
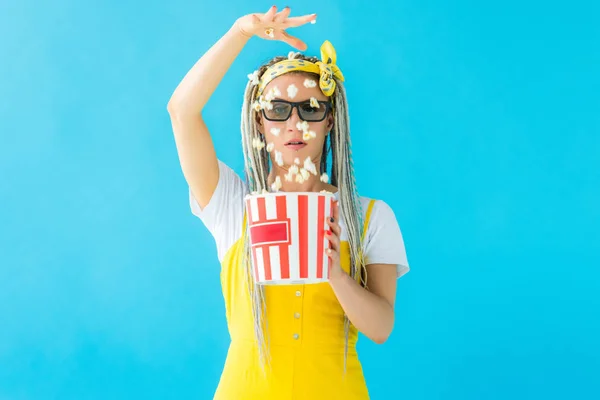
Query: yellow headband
{"type": "Point", "coordinates": [326, 68]}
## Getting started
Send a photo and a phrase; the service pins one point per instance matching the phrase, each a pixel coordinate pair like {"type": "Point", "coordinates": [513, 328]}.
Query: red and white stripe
{"type": "Point", "coordinates": [287, 236]}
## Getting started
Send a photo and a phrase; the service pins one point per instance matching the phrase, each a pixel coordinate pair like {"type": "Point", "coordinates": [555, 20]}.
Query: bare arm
{"type": "Point", "coordinates": [194, 144]}
{"type": "Point", "coordinates": [195, 147]}
{"type": "Point", "coordinates": [372, 310]}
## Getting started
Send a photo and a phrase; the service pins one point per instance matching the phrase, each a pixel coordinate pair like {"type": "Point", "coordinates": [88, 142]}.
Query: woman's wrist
{"type": "Point", "coordinates": [240, 30]}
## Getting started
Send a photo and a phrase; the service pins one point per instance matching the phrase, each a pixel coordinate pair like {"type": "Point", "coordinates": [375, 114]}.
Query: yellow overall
{"type": "Point", "coordinates": [305, 327]}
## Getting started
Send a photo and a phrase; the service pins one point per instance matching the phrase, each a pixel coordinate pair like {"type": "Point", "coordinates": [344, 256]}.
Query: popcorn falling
{"type": "Point", "coordinates": [310, 83]}
{"type": "Point", "coordinates": [305, 174]}
{"type": "Point", "coordinates": [253, 77]}
{"type": "Point", "coordinates": [275, 131]}
{"type": "Point", "coordinates": [307, 135]}
{"type": "Point", "coordinates": [297, 161]}
{"type": "Point", "coordinates": [303, 126]}
{"type": "Point", "coordinates": [292, 91]}
{"type": "Point", "coordinates": [314, 102]}
{"type": "Point", "coordinates": [257, 143]}
{"type": "Point", "coordinates": [270, 32]}
{"type": "Point", "coordinates": [324, 178]}
{"type": "Point", "coordinates": [299, 178]}
{"type": "Point", "coordinates": [273, 92]}
{"type": "Point", "coordinates": [314, 21]}
{"type": "Point", "coordinates": [309, 166]}
{"type": "Point", "coordinates": [291, 172]}
{"type": "Point", "coordinates": [277, 184]}
{"type": "Point", "coordinates": [279, 158]}
{"type": "Point", "coordinates": [291, 55]}
{"type": "Point", "coordinates": [257, 107]}
{"type": "Point", "coordinates": [270, 147]}
{"type": "Point", "coordinates": [265, 103]}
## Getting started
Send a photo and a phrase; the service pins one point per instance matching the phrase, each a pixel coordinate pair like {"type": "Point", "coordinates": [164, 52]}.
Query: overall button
{"type": "Point", "coordinates": [296, 336]}
{"type": "Point", "coordinates": [298, 293]}
{"type": "Point", "coordinates": [297, 315]}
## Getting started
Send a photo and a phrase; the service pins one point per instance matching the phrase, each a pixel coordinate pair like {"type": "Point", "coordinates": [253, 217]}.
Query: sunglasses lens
{"type": "Point", "coordinates": [279, 112]}
{"type": "Point", "coordinates": [310, 113]}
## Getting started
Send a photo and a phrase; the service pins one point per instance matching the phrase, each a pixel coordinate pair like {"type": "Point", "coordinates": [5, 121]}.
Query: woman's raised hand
{"type": "Point", "coordinates": [272, 25]}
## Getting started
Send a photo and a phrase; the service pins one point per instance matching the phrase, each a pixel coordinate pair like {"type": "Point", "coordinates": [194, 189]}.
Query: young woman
{"type": "Point", "coordinates": [292, 341]}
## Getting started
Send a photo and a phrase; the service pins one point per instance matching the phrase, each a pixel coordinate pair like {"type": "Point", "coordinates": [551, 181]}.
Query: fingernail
{"type": "Point", "coordinates": [331, 219]}
{"type": "Point", "coordinates": [328, 232]}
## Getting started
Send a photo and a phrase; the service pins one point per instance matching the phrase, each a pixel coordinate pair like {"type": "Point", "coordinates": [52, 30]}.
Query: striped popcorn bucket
{"type": "Point", "coordinates": [287, 237]}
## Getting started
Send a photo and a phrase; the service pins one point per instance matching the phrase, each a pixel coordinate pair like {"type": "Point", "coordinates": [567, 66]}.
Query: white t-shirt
{"type": "Point", "coordinates": [223, 217]}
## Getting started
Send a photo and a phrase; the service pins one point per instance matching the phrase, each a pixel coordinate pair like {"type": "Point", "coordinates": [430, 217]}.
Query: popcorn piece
{"type": "Point", "coordinates": [307, 135]}
{"type": "Point", "coordinates": [257, 107]}
{"type": "Point", "coordinates": [288, 177]}
{"type": "Point", "coordinates": [303, 126]}
{"type": "Point", "coordinates": [326, 191]}
{"type": "Point", "coordinates": [276, 91]}
{"type": "Point", "coordinates": [265, 103]}
{"type": "Point", "coordinates": [314, 102]}
{"type": "Point", "coordinates": [297, 161]}
{"type": "Point", "coordinates": [270, 147]}
{"type": "Point", "coordinates": [257, 143]}
{"type": "Point", "coordinates": [305, 174]}
{"type": "Point", "coordinates": [291, 55]}
{"type": "Point", "coordinates": [294, 169]}
{"type": "Point", "coordinates": [270, 32]}
{"type": "Point", "coordinates": [277, 184]}
{"type": "Point", "coordinates": [275, 131]}
{"type": "Point", "coordinates": [292, 91]}
{"type": "Point", "coordinates": [310, 83]}
{"type": "Point", "coordinates": [299, 178]}
{"type": "Point", "coordinates": [324, 178]}
{"type": "Point", "coordinates": [314, 21]}
{"type": "Point", "coordinates": [309, 166]}
{"type": "Point", "coordinates": [265, 191]}
{"type": "Point", "coordinates": [253, 77]}
{"type": "Point", "coordinates": [279, 158]}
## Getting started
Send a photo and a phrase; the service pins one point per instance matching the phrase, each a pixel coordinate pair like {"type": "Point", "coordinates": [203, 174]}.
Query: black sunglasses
{"type": "Point", "coordinates": [282, 110]}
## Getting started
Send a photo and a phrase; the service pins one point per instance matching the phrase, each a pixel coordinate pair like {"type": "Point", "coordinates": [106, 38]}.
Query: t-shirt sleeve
{"type": "Point", "coordinates": [223, 215]}
{"type": "Point", "coordinates": [384, 242]}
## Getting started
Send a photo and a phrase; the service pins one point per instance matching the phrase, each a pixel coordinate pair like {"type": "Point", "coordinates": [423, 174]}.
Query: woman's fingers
{"type": "Point", "coordinates": [282, 15]}
{"type": "Point", "coordinates": [333, 235]}
{"type": "Point", "coordinates": [336, 211]}
{"type": "Point", "coordinates": [293, 41]}
{"type": "Point", "coordinates": [298, 21]}
{"type": "Point", "coordinates": [269, 15]}
{"type": "Point", "coordinates": [334, 255]}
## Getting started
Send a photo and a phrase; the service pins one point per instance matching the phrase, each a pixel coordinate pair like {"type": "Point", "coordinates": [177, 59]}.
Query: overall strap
{"type": "Point", "coordinates": [367, 218]}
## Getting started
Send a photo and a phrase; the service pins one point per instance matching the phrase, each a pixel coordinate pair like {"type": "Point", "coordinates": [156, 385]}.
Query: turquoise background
{"type": "Point", "coordinates": [478, 122]}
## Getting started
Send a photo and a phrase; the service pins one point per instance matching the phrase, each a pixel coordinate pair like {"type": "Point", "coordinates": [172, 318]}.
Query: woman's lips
{"type": "Point", "coordinates": [295, 146]}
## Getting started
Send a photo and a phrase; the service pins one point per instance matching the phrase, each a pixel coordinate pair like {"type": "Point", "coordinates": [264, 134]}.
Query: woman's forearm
{"type": "Point", "coordinates": [193, 92]}
{"type": "Point", "coordinates": [371, 314]}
